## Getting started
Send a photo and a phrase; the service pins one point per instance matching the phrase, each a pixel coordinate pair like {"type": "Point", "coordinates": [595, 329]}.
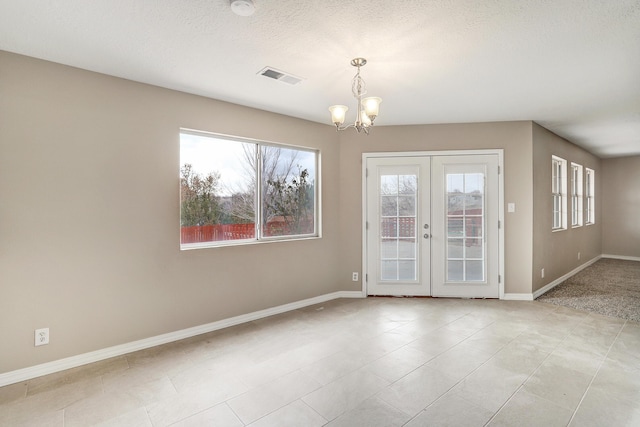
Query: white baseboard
{"type": "Point", "coordinates": [517, 297]}
{"type": "Point", "coordinates": [627, 258]}
{"type": "Point", "coordinates": [118, 350]}
{"type": "Point", "coordinates": [561, 279]}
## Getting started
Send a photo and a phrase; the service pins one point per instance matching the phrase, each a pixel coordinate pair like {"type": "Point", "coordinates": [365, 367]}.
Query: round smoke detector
{"type": "Point", "coordinates": [243, 7]}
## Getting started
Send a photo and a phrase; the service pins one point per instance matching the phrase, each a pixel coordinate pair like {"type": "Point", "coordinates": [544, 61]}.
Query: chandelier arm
{"type": "Point", "coordinates": [352, 125]}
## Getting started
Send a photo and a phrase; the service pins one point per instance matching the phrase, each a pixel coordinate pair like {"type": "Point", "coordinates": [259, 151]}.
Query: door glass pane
{"type": "Point", "coordinates": [398, 229]}
{"type": "Point", "coordinates": [465, 224]}
{"type": "Point", "coordinates": [455, 272]}
{"type": "Point", "coordinates": [474, 271]}
{"type": "Point", "coordinates": [388, 227]}
{"type": "Point", "coordinates": [389, 205]}
{"type": "Point", "coordinates": [407, 248]}
{"type": "Point", "coordinates": [407, 270]}
{"type": "Point", "coordinates": [473, 226]}
{"type": "Point", "coordinates": [407, 226]}
{"type": "Point", "coordinates": [455, 226]}
{"type": "Point", "coordinates": [406, 205]}
{"type": "Point", "coordinates": [389, 185]}
{"type": "Point", "coordinates": [389, 270]}
{"type": "Point", "coordinates": [474, 249]}
{"type": "Point", "coordinates": [389, 249]}
{"type": "Point", "coordinates": [455, 248]}
{"type": "Point", "coordinates": [407, 184]}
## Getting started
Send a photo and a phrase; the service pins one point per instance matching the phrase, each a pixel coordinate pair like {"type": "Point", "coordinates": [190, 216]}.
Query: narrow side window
{"type": "Point", "coordinates": [559, 192]}
{"type": "Point", "coordinates": [590, 199]}
{"type": "Point", "coordinates": [576, 195]}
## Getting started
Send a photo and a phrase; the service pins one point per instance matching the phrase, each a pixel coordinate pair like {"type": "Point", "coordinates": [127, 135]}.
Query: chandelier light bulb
{"type": "Point", "coordinates": [338, 114]}
{"type": "Point", "coordinates": [372, 106]}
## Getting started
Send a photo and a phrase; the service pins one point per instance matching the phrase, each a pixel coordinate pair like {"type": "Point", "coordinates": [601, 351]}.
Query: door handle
{"type": "Point", "coordinates": [427, 235]}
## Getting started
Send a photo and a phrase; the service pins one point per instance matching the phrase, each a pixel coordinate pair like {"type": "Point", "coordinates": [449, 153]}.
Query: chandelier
{"type": "Point", "coordinates": [367, 108]}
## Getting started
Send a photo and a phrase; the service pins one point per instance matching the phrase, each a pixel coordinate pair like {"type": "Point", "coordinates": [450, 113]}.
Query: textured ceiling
{"type": "Point", "coordinates": [571, 65]}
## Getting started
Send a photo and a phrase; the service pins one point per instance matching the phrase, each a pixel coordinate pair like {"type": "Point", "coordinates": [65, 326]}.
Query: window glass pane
{"type": "Point", "coordinates": [559, 193]}
{"type": "Point", "coordinates": [590, 199]}
{"type": "Point", "coordinates": [288, 191]}
{"type": "Point", "coordinates": [217, 190]}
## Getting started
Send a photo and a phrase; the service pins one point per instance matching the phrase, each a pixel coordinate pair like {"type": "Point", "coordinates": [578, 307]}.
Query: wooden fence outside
{"type": "Point", "coordinates": [221, 232]}
{"type": "Point", "coordinates": [217, 232]}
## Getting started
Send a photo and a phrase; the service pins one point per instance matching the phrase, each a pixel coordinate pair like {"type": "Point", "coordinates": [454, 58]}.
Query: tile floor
{"type": "Point", "coordinates": [370, 362]}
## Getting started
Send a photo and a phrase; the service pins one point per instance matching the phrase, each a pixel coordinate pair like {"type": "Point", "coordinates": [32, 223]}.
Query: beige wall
{"type": "Point", "coordinates": [620, 203]}
{"type": "Point", "coordinates": [557, 252]}
{"type": "Point", "coordinates": [89, 238]}
{"type": "Point", "coordinates": [513, 137]}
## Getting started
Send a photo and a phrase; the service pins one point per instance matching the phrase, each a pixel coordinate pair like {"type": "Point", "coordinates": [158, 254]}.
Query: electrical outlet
{"type": "Point", "coordinates": [542, 273]}
{"type": "Point", "coordinates": [354, 276]}
{"type": "Point", "coordinates": [42, 336]}
{"type": "Point", "coordinates": [578, 256]}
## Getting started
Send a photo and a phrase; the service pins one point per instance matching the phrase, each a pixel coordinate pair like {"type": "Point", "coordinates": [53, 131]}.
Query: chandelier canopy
{"type": "Point", "coordinates": [367, 108]}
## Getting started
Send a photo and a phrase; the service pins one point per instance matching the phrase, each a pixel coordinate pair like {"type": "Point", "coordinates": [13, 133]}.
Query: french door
{"type": "Point", "coordinates": [398, 211]}
{"type": "Point", "coordinates": [432, 226]}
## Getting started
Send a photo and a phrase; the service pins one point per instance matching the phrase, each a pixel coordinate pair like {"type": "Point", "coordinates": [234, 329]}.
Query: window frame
{"type": "Point", "coordinates": [558, 193]}
{"type": "Point", "coordinates": [577, 217]}
{"type": "Point", "coordinates": [260, 238]}
{"type": "Point", "coordinates": [590, 198]}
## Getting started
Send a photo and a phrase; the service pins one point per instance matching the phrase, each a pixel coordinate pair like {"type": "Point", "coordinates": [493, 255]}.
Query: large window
{"type": "Point", "coordinates": [559, 192]}
{"type": "Point", "coordinates": [576, 195]}
{"type": "Point", "coordinates": [235, 190]}
{"type": "Point", "coordinates": [590, 209]}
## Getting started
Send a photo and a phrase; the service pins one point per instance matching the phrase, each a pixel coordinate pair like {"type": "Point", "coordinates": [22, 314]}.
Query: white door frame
{"type": "Point", "coordinates": [498, 152]}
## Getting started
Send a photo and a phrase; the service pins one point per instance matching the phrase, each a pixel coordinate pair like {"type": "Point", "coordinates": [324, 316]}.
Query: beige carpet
{"type": "Point", "coordinates": [610, 287]}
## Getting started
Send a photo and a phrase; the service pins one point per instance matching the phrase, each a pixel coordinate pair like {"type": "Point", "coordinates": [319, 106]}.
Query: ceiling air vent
{"type": "Point", "coordinates": [279, 75]}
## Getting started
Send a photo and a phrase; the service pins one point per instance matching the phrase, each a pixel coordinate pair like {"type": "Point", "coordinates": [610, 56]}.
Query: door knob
{"type": "Point", "coordinates": [427, 235]}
